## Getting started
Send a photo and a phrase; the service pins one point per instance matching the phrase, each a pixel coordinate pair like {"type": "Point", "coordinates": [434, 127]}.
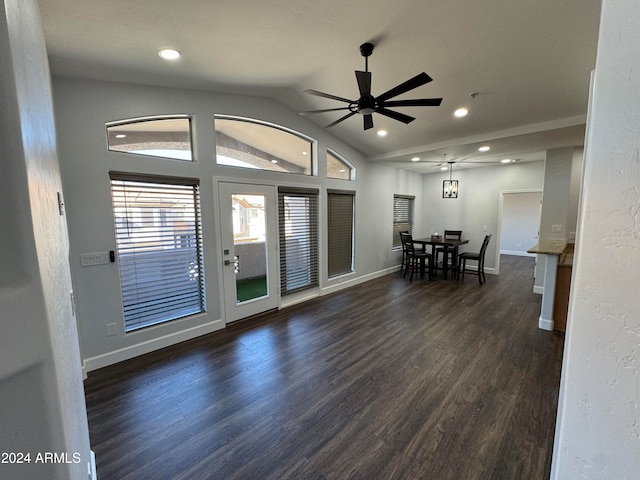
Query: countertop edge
{"type": "Point", "coordinates": [549, 247]}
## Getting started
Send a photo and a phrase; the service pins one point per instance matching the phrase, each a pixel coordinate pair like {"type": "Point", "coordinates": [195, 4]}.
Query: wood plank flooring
{"type": "Point", "coordinates": [386, 380]}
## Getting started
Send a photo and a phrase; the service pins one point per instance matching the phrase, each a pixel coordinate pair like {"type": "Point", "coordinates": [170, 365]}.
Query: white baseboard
{"type": "Point", "coordinates": [342, 284]}
{"type": "Point", "coordinates": [517, 253]}
{"type": "Point", "coordinates": [91, 467]}
{"type": "Point", "coordinates": [289, 302]}
{"type": "Point", "coordinates": [545, 324]}
{"type": "Point", "coordinates": [538, 289]}
{"type": "Point", "coordinates": [126, 353]}
{"type": "Point", "coordinates": [487, 271]}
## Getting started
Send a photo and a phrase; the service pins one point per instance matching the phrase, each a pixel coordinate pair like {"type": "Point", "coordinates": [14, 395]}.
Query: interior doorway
{"type": "Point", "coordinates": [519, 222]}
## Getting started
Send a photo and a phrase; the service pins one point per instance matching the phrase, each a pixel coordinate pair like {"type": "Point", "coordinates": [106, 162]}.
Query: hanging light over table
{"type": "Point", "coordinates": [450, 187]}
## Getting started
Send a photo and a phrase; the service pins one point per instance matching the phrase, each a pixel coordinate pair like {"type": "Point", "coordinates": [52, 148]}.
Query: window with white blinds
{"type": "Point", "coordinates": [402, 217]}
{"type": "Point", "coordinates": [340, 206]}
{"type": "Point", "coordinates": [159, 243]}
{"type": "Point", "coordinates": [298, 214]}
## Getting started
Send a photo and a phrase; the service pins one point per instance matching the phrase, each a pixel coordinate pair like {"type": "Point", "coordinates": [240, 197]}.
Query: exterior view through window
{"type": "Point", "coordinates": [337, 167]}
{"type": "Point", "coordinates": [249, 241]}
{"type": "Point", "coordinates": [167, 137]}
{"type": "Point", "coordinates": [249, 144]}
{"type": "Point", "coordinates": [158, 236]}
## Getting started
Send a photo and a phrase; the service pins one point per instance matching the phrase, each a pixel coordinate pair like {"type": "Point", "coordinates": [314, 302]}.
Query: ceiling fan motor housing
{"type": "Point", "coordinates": [366, 105]}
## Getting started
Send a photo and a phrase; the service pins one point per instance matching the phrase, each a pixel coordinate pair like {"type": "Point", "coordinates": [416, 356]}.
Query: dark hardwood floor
{"type": "Point", "coordinates": [386, 380]}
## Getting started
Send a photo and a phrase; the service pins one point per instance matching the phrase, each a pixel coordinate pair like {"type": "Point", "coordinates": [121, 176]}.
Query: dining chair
{"type": "Point", "coordinates": [450, 252]}
{"type": "Point", "coordinates": [403, 265]}
{"type": "Point", "coordinates": [479, 257]}
{"type": "Point", "coordinates": [415, 259]}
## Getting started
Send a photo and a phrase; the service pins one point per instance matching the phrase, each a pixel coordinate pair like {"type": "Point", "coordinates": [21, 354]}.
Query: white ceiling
{"type": "Point", "coordinates": [529, 61]}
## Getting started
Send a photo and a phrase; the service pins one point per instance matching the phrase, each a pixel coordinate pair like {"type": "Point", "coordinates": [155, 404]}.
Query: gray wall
{"type": "Point", "coordinates": [477, 205]}
{"type": "Point", "coordinates": [83, 107]}
{"type": "Point", "coordinates": [42, 407]}
{"type": "Point", "coordinates": [562, 181]}
{"type": "Point", "coordinates": [520, 222]}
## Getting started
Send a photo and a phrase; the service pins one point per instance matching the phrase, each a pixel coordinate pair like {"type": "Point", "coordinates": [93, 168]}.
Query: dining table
{"type": "Point", "coordinates": [441, 242]}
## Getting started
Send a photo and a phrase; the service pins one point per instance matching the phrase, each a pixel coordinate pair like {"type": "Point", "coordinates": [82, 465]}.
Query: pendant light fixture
{"type": "Point", "coordinates": [450, 187]}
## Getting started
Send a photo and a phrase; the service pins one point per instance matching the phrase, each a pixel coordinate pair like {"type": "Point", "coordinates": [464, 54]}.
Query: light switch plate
{"type": "Point", "coordinates": [98, 258]}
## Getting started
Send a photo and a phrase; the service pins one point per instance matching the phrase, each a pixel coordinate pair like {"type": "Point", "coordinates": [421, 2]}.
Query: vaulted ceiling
{"type": "Point", "coordinates": [520, 67]}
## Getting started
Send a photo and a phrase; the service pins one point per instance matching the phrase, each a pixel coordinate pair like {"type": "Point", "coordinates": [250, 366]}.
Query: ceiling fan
{"type": "Point", "coordinates": [367, 104]}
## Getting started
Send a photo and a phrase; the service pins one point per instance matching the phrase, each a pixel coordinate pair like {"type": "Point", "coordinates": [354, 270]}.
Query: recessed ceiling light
{"type": "Point", "coordinates": [121, 135]}
{"type": "Point", "coordinates": [382, 133]}
{"type": "Point", "coordinates": [415, 159]}
{"type": "Point", "coordinates": [461, 112]}
{"type": "Point", "coordinates": [304, 153]}
{"type": "Point", "coordinates": [444, 167]}
{"type": "Point", "coordinates": [274, 161]}
{"type": "Point", "coordinates": [169, 53]}
{"type": "Point", "coordinates": [484, 148]}
{"type": "Point", "coordinates": [506, 160]}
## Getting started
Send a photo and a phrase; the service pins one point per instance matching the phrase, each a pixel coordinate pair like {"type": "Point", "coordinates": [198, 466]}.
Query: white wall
{"type": "Point", "coordinates": [598, 427]}
{"type": "Point", "coordinates": [477, 205]}
{"type": "Point", "coordinates": [42, 407]}
{"type": "Point", "coordinates": [83, 107]}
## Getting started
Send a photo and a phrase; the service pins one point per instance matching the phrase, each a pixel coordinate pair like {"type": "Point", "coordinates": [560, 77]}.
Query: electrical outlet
{"type": "Point", "coordinates": [112, 329]}
{"type": "Point", "coordinates": [556, 228]}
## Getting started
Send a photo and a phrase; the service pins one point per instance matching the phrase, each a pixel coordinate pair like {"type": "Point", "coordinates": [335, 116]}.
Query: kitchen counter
{"type": "Point", "coordinates": [566, 257]}
{"type": "Point", "coordinates": [550, 252]}
{"type": "Point", "coordinates": [549, 247]}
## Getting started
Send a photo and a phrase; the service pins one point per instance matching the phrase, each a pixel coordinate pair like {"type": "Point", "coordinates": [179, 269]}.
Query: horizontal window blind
{"type": "Point", "coordinates": [340, 232]}
{"type": "Point", "coordinates": [298, 215]}
{"type": "Point", "coordinates": [402, 217]}
{"type": "Point", "coordinates": [159, 243]}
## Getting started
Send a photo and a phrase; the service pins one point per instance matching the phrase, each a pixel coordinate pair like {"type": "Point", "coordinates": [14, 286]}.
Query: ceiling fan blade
{"type": "Point", "coordinates": [340, 119]}
{"type": "Point", "coordinates": [310, 112]}
{"type": "Point", "coordinates": [395, 115]}
{"type": "Point", "coordinates": [368, 121]}
{"type": "Point", "coordinates": [410, 84]}
{"type": "Point", "coordinates": [326, 95]}
{"type": "Point", "coordinates": [364, 83]}
{"type": "Point", "coordinates": [420, 102]}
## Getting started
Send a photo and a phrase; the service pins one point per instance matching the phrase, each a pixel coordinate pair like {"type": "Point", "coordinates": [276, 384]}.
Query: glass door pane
{"type": "Point", "coordinates": [248, 223]}
{"type": "Point", "coordinates": [250, 246]}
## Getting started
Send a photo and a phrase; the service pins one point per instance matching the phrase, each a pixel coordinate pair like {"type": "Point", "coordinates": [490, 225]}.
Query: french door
{"type": "Point", "coordinates": [249, 232]}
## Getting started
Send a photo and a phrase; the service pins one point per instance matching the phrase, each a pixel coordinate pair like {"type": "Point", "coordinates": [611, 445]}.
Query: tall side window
{"type": "Point", "coordinates": [339, 168]}
{"type": "Point", "coordinates": [298, 212]}
{"type": "Point", "coordinates": [159, 244]}
{"type": "Point", "coordinates": [165, 137]}
{"type": "Point", "coordinates": [248, 143]}
{"type": "Point", "coordinates": [402, 217]}
{"type": "Point", "coordinates": [340, 206]}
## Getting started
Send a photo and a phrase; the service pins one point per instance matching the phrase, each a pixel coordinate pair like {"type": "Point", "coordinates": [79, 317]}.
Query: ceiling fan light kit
{"type": "Point", "coordinates": [367, 104]}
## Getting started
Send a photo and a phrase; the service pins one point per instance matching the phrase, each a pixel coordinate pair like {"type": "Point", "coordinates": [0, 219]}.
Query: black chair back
{"type": "Point", "coordinates": [485, 244]}
{"type": "Point", "coordinates": [453, 234]}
